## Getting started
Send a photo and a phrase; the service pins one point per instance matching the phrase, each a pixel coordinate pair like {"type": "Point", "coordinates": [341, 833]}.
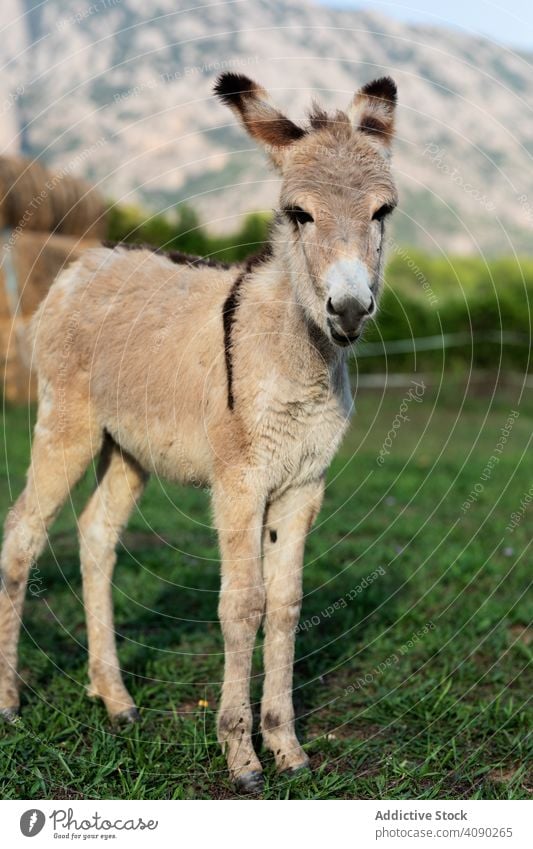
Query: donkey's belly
{"type": "Point", "coordinates": [174, 452]}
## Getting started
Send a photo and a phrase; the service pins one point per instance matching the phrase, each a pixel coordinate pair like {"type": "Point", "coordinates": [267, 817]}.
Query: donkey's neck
{"type": "Point", "coordinates": [269, 307]}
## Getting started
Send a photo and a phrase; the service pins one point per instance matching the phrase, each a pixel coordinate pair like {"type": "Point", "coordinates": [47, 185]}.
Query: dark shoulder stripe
{"type": "Point", "coordinates": [228, 318]}
{"type": "Point", "coordinates": [229, 313]}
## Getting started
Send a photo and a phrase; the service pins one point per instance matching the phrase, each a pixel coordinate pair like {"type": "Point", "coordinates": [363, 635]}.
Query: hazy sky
{"type": "Point", "coordinates": [507, 21]}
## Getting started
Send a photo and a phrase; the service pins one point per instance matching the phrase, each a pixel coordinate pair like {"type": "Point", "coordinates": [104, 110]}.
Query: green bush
{"type": "Point", "coordinates": [479, 312]}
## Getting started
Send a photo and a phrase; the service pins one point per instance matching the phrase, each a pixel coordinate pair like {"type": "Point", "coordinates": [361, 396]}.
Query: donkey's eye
{"type": "Point", "coordinates": [297, 215]}
{"type": "Point", "coordinates": [382, 212]}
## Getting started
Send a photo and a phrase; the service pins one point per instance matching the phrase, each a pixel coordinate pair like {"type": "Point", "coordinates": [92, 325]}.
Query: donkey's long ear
{"type": "Point", "coordinates": [261, 120]}
{"type": "Point", "coordinates": [373, 108]}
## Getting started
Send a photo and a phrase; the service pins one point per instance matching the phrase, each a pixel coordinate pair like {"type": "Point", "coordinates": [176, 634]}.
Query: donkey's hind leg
{"type": "Point", "coordinates": [121, 482]}
{"type": "Point", "coordinates": [59, 457]}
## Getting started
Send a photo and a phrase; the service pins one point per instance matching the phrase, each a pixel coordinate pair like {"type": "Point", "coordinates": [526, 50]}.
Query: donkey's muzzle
{"type": "Point", "coordinates": [346, 318]}
{"type": "Point", "coordinates": [350, 301]}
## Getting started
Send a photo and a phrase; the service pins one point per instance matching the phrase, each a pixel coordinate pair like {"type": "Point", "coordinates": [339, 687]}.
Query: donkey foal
{"type": "Point", "coordinates": [233, 376]}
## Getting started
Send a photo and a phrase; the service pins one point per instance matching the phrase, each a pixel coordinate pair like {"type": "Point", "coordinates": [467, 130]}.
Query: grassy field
{"type": "Point", "coordinates": [411, 680]}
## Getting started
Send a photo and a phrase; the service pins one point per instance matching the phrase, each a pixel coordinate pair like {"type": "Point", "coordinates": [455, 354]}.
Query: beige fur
{"type": "Point", "coordinates": [228, 376]}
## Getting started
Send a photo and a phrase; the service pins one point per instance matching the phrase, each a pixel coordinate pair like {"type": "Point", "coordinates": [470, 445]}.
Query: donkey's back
{"type": "Point", "coordinates": [129, 335]}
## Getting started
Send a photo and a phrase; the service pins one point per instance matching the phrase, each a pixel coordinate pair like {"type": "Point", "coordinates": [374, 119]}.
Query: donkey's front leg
{"type": "Point", "coordinates": [239, 518]}
{"type": "Point", "coordinates": [287, 523]}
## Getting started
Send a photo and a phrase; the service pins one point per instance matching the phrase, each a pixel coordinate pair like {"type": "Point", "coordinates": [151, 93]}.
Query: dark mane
{"type": "Point", "coordinates": [259, 258]}
{"type": "Point", "coordinates": [337, 123]}
{"type": "Point", "coordinates": [174, 256]}
{"type": "Point", "coordinates": [180, 258]}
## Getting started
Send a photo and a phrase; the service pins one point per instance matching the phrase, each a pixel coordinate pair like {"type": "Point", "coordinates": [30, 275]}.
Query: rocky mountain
{"type": "Point", "coordinates": [119, 91]}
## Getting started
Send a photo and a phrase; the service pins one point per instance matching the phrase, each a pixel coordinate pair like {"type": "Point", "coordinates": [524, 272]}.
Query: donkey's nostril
{"type": "Point", "coordinates": [339, 309]}
{"type": "Point", "coordinates": [350, 309]}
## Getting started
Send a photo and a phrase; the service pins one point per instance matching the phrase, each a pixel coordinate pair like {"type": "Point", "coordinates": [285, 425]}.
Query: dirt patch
{"type": "Point", "coordinates": [521, 633]}
{"type": "Point", "coordinates": [503, 774]}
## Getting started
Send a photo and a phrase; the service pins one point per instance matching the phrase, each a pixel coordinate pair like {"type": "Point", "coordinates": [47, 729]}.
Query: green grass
{"type": "Point", "coordinates": [444, 717]}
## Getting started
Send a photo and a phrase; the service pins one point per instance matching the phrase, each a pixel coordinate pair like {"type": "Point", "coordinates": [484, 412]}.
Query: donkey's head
{"type": "Point", "coordinates": [336, 193]}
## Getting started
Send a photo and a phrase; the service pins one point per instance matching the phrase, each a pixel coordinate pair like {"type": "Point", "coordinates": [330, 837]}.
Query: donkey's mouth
{"type": "Point", "coordinates": [342, 339]}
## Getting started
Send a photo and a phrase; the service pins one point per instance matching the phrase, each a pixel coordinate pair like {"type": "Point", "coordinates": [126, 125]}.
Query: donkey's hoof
{"type": "Point", "coordinates": [298, 770]}
{"type": "Point", "coordinates": [126, 717]}
{"type": "Point", "coordinates": [9, 714]}
{"type": "Point", "coordinates": [250, 782]}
